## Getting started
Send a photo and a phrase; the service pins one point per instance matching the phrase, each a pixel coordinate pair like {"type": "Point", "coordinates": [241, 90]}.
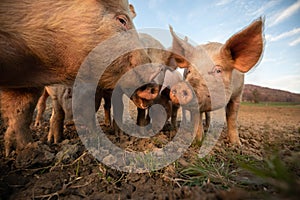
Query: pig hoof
{"type": "Point", "coordinates": [107, 124]}
{"type": "Point", "coordinates": [23, 140]}
{"type": "Point", "coordinates": [38, 123]}
{"type": "Point", "coordinates": [236, 142]}
{"type": "Point", "coordinates": [173, 127]}
{"type": "Point", "coordinates": [8, 150]}
{"type": "Point", "coordinates": [197, 143]}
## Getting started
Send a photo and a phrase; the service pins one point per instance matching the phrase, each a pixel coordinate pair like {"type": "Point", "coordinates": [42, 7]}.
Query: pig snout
{"type": "Point", "coordinates": [143, 97]}
{"type": "Point", "coordinates": [181, 93]}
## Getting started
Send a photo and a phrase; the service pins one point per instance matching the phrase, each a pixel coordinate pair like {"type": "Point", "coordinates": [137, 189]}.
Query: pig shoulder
{"type": "Point", "coordinates": [237, 83]}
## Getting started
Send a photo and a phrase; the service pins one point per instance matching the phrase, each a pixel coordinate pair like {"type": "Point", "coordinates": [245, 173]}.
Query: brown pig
{"type": "Point", "coordinates": [163, 99]}
{"type": "Point", "coordinates": [150, 94]}
{"type": "Point", "coordinates": [44, 42]}
{"type": "Point", "coordinates": [220, 83]}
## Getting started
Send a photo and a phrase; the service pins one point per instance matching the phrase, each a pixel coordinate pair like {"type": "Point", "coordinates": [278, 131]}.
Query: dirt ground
{"type": "Point", "coordinates": [265, 167]}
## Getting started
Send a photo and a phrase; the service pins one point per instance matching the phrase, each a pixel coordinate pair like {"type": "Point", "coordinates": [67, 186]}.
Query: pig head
{"type": "Point", "coordinates": [144, 96]}
{"type": "Point", "coordinates": [44, 42]}
{"type": "Point", "coordinates": [215, 72]}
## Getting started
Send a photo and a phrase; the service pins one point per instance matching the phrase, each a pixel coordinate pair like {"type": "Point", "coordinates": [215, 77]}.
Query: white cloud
{"type": "Point", "coordinates": [283, 15]}
{"type": "Point", "coordinates": [287, 34]}
{"type": "Point", "coordinates": [265, 7]}
{"type": "Point", "coordinates": [295, 42]}
{"type": "Point", "coordinates": [223, 2]}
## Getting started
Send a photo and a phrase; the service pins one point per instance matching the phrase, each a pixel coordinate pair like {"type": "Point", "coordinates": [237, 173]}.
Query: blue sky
{"type": "Point", "coordinates": [216, 20]}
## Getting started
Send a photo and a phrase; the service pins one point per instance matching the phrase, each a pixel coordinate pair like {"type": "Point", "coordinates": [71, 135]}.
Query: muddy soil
{"type": "Point", "coordinates": [68, 170]}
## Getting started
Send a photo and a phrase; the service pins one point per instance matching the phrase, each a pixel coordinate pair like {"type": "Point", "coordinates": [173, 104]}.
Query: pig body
{"type": "Point", "coordinates": [45, 42]}
{"type": "Point", "coordinates": [61, 97]}
{"type": "Point", "coordinates": [220, 83]}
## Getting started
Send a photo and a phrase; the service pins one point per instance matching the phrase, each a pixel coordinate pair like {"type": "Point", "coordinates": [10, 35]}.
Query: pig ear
{"type": "Point", "coordinates": [132, 11]}
{"type": "Point", "coordinates": [181, 50]}
{"type": "Point", "coordinates": [244, 49]}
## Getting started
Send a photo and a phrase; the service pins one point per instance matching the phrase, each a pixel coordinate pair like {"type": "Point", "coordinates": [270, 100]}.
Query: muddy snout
{"type": "Point", "coordinates": [144, 96]}
{"type": "Point", "coordinates": [181, 93]}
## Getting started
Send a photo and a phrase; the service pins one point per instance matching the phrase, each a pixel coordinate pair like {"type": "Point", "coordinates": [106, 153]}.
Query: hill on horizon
{"type": "Point", "coordinates": [254, 93]}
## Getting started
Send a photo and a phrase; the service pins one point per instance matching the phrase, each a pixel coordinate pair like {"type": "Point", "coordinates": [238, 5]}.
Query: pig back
{"type": "Point", "coordinates": [157, 53]}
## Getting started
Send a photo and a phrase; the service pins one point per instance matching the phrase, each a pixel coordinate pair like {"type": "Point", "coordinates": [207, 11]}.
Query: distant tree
{"type": "Point", "coordinates": [255, 95]}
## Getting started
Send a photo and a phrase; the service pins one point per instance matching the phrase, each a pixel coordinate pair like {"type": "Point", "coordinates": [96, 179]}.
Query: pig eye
{"type": "Point", "coordinates": [186, 72]}
{"type": "Point", "coordinates": [217, 70]}
{"type": "Point", "coordinates": [123, 20]}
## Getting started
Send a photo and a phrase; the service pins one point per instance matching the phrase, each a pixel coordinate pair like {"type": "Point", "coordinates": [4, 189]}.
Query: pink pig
{"type": "Point", "coordinates": [220, 83]}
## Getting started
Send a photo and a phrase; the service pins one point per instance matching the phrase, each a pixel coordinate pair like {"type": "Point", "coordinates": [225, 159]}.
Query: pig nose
{"type": "Point", "coordinates": [153, 91]}
{"type": "Point", "coordinates": [184, 93]}
{"type": "Point", "coordinates": [181, 93]}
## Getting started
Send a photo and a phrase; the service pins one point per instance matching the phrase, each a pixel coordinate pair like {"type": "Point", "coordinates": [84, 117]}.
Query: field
{"type": "Point", "coordinates": [266, 166]}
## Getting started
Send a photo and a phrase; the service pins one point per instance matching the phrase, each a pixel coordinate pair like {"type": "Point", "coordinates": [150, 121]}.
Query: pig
{"type": "Point", "coordinates": [59, 94]}
{"type": "Point", "coordinates": [220, 83]}
{"type": "Point", "coordinates": [144, 96]}
{"type": "Point", "coordinates": [61, 110]}
{"type": "Point", "coordinates": [45, 42]}
{"type": "Point", "coordinates": [150, 94]}
{"type": "Point", "coordinates": [61, 97]}
{"type": "Point", "coordinates": [163, 99]}
{"type": "Point", "coordinates": [184, 113]}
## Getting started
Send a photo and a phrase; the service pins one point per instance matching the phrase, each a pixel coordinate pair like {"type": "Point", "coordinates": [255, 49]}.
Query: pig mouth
{"type": "Point", "coordinates": [181, 93]}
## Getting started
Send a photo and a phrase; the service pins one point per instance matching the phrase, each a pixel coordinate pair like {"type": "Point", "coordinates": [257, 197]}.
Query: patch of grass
{"type": "Point", "coordinates": [275, 172]}
{"type": "Point", "coordinates": [210, 170]}
{"type": "Point", "coordinates": [235, 169]}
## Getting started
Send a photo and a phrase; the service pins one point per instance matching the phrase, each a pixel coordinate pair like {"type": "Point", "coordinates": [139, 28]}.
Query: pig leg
{"type": "Point", "coordinates": [56, 122]}
{"type": "Point", "coordinates": [107, 107]}
{"type": "Point", "coordinates": [141, 117]}
{"type": "Point", "coordinates": [197, 123]}
{"type": "Point", "coordinates": [118, 110]}
{"type": "Point", "coordinates": [207, 121]}
{"type": "Point", "coordinates": [17, 108]}
{"type": "Point", "coordinates": [141, 120]}
{"type": "Point", "coordinates": [41, 106]}
{"type": "Point", "coordinates": [98, 98]}
{"type": "Point", "coordinates": [231, 118]}
{"type": "Point", "coordinates": [174, 116]}
{"type": "Point", "coordinates": [200, 130]}
{"type": "Point", "coordinates": [184, 116]}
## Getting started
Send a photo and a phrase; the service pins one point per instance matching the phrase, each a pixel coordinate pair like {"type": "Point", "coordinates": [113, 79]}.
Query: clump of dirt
{"type": "Point", "coordinates": [68, 171]}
